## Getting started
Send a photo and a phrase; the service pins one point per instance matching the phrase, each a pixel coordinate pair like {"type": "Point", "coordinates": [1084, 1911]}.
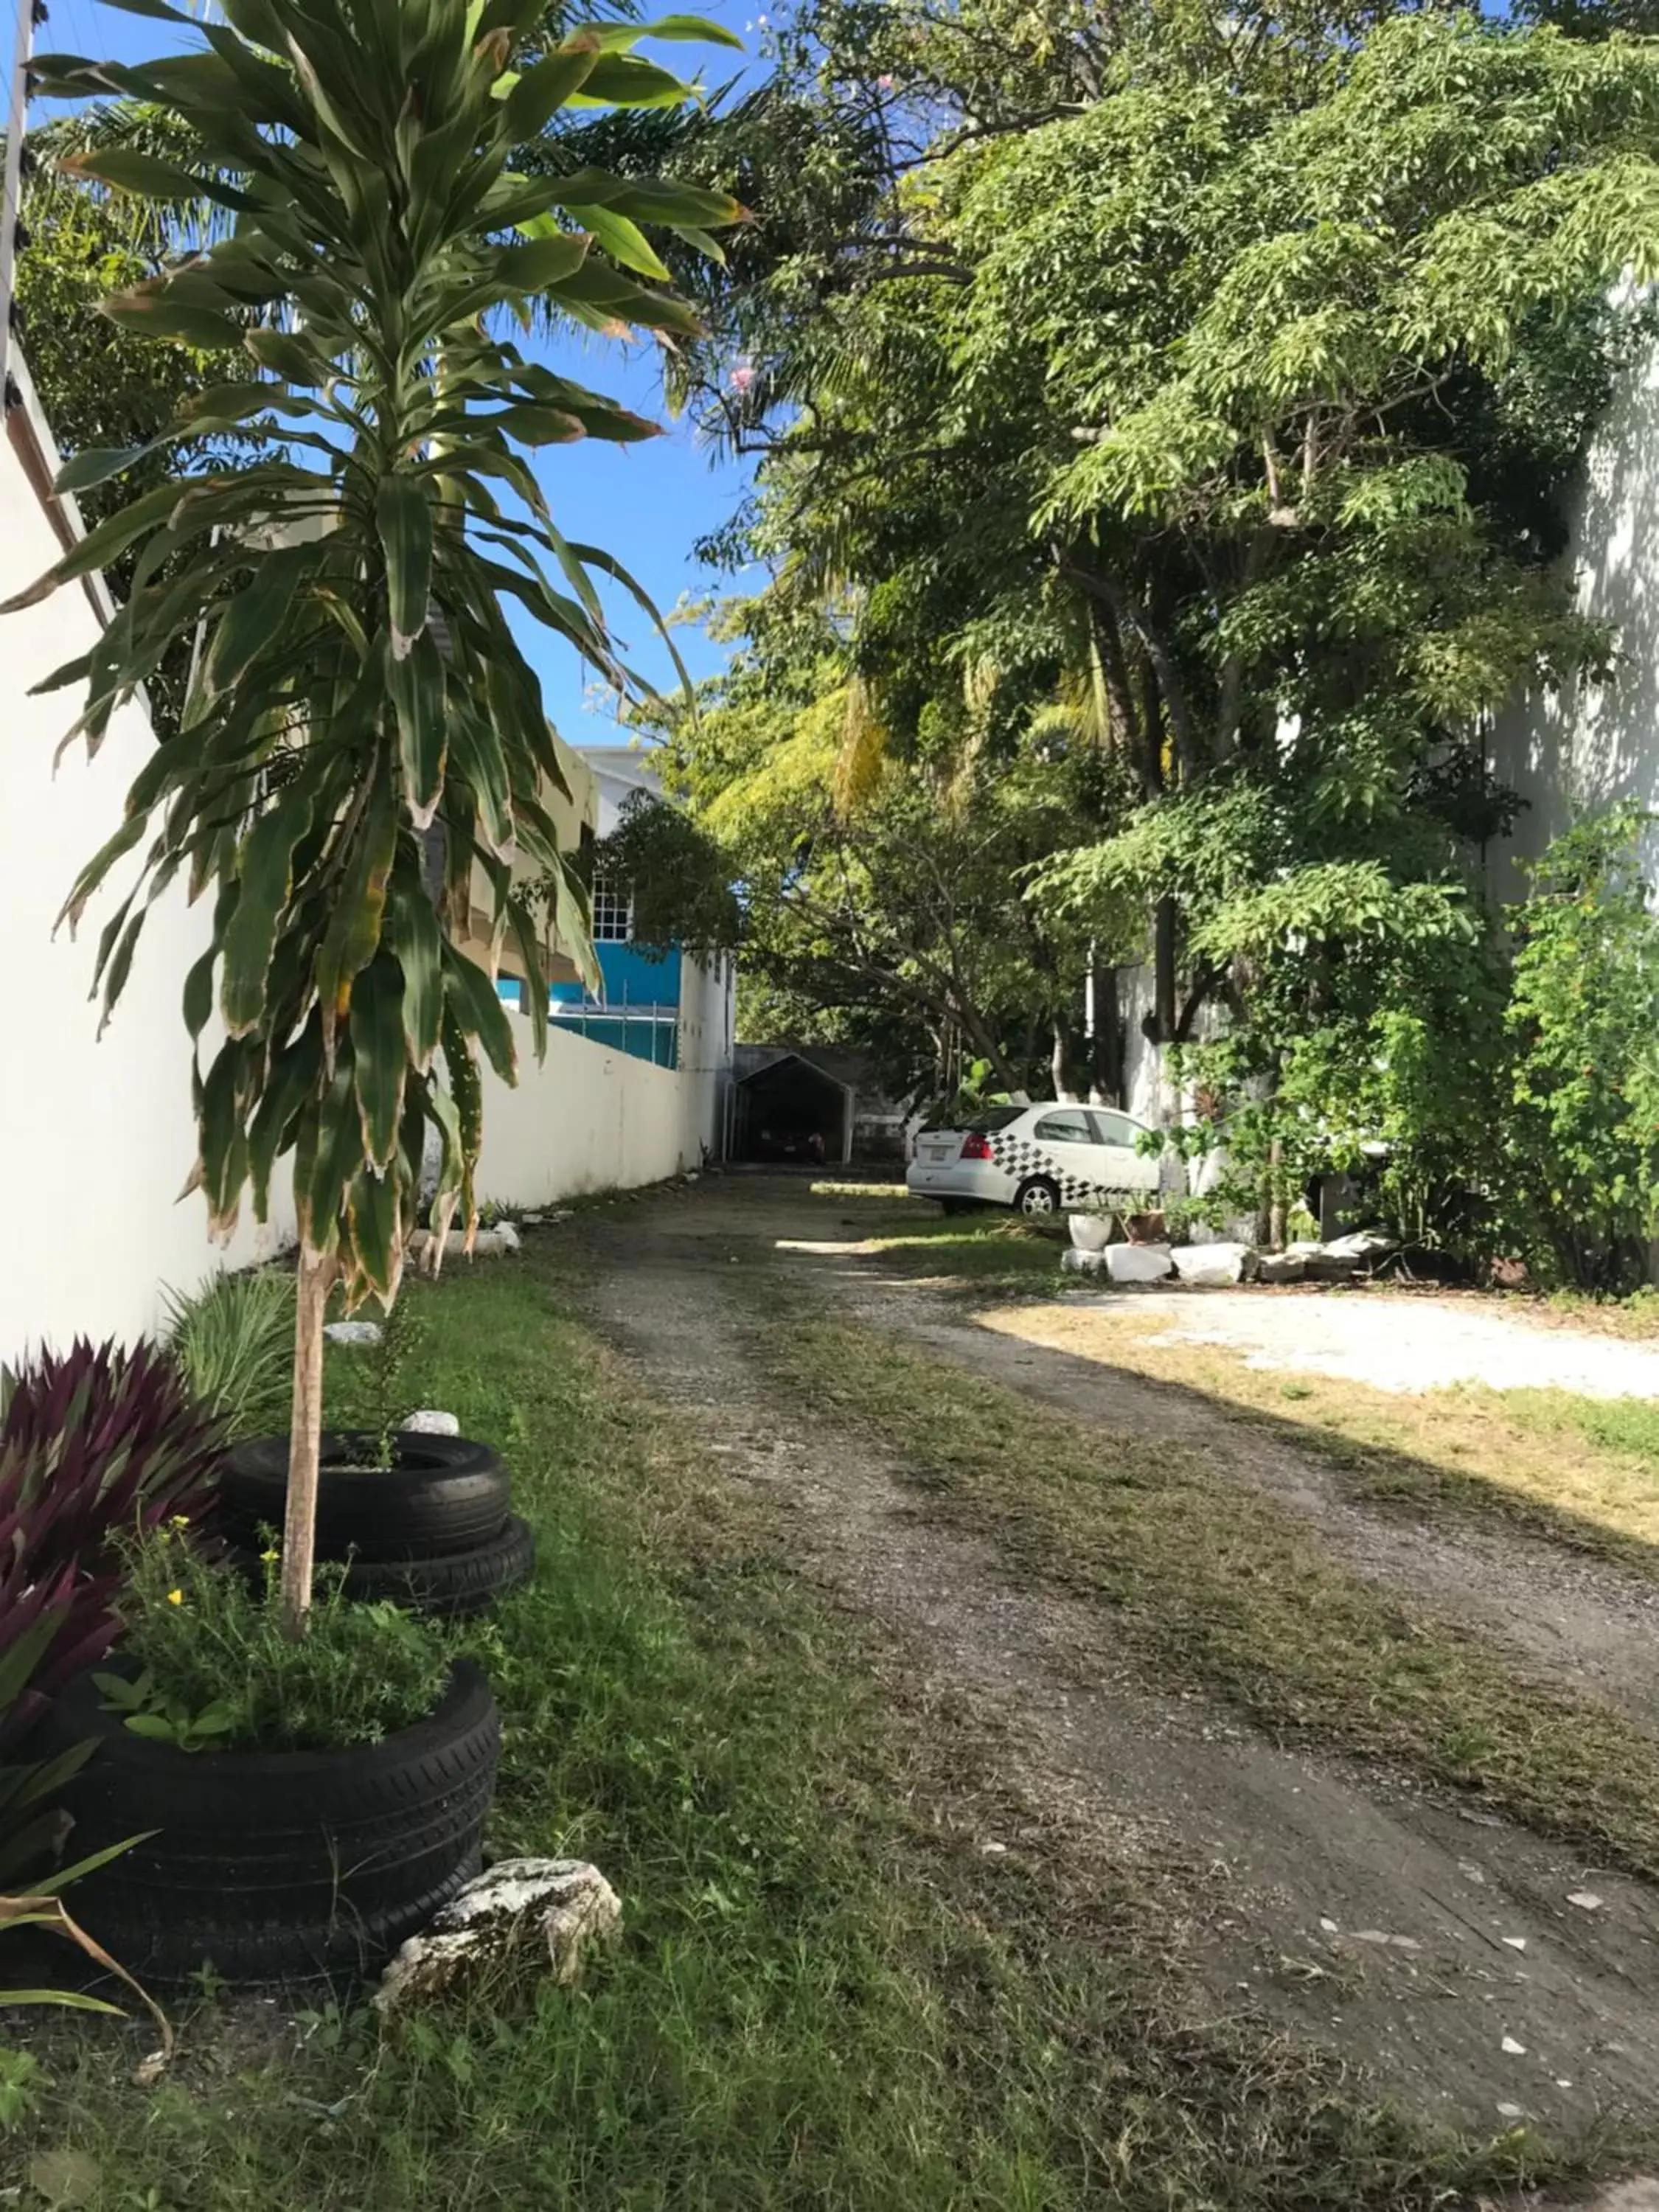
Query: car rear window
{"type": "Point", "coordinates": [995, 1118]}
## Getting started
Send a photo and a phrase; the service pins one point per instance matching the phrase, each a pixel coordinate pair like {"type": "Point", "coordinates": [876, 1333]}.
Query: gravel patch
{"type": "Point", "coordinates": [1407, 1345]}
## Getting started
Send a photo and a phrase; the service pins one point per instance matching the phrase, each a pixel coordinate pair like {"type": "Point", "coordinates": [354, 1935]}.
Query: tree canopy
{"type": "Point", "coordinates": [1195, 397]}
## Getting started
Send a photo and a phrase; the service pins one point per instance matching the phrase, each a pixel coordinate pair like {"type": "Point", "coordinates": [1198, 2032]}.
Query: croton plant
{"type": "Point", "coordinates": [364, 736]}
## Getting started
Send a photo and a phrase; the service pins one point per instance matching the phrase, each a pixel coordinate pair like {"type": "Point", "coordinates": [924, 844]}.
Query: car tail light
{"type": "Point", "coordinates": [977, 1147]}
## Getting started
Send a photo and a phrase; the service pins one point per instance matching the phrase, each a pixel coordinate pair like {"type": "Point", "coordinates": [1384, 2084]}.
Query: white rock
{"type": "Point", "coordinates": [1515, 1942]}
{"type": "Point", "coordinates": [1281, 1267]}
{"type": "Point", "coordinates": [1214, 1264]}
{"type": "Point", "coordinates": [352, 1332]}
{"type": "Point", "coordinates": [429, 1423]}
{"type": "Point", "coordinates": [531, 1221]}
{"type": "Point", "coordinates": [1585, 1900]}
{"type": "Point", "coordinates": [1363, 1247]}
{"type": "Point", "coordinates": [1137, 1263]}
{"type": "Point", "coordinates": [1329, 1927]}
{"type": "Point", "coordinates": [564, 1905]}
{"type": "Point", "coordinates": [1512, 2111]}
{"type": "Point", "coordinates": [1073, 1262]}
{"type": "Point", "coordinates": [1089, 1232]}
{"type": "Point", "coordinates": [506, 1237]}
{"type": "Point", "coordinates": [1513, 2049]}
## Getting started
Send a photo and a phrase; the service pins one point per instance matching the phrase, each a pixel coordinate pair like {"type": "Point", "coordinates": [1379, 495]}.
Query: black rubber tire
{"type": "Point", "coordinates": [445, 1495]}
{"type": "Point", "coordinates": [447, 1586]}
{"type": "Point", "coordinates": [1032, 1184]}
{"type": "Point", "coordinates": [275, 1867]}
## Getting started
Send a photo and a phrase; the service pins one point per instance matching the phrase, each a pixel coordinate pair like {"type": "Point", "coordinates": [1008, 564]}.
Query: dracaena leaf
{"type": "Point", "coordinates": [265, 876]}
{"type": "Point", "coordinates": [403, 513]}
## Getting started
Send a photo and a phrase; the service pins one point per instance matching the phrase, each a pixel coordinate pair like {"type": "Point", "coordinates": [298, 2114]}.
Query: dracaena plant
{"type": "Point", "coordinates": [364, 734]}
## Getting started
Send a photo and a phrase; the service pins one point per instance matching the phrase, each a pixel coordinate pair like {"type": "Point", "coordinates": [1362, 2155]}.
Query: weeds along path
{"type": "Point", "coordinates": [1369, 1821]}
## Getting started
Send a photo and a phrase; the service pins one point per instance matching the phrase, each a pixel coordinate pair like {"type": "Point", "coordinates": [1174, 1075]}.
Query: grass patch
{"type": "Point", "coordinates": [1580, 1471]}
{"type": "Point", "coordinates": [827, 2000]}
{"type": "Point", "coordinates": [1222, 1588]}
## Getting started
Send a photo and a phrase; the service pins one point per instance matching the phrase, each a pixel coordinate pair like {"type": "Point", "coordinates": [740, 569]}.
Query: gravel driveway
{"type": "Point", "coordinates": [1396, 1343]}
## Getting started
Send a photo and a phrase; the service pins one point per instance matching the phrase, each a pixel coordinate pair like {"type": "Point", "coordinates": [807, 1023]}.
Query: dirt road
{"type": "Point", "coordinates": [1413, 1931]}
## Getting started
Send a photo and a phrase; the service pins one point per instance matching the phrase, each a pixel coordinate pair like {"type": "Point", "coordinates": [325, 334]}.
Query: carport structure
{"type": "Point", "coordinates": [784, 1106]}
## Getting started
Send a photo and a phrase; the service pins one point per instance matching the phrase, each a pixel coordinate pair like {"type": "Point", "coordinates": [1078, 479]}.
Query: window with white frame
{"type": "Point", "coordinates": [613, 914]}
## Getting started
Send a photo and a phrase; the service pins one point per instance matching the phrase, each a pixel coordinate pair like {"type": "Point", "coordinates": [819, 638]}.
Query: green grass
{"type": "Point", "coordinates": [1578, 1472]}
{"type": "Point", "coordinates": [1217, 1586]}
{"type": "Point", "coordinates": [1629, 1427]}
{"type": "Point", "coordinates": [827, 1999]}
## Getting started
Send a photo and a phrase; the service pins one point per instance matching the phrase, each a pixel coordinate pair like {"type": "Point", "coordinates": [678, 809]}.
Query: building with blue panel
{"type": "Point", "coordinates": [669, 1007]}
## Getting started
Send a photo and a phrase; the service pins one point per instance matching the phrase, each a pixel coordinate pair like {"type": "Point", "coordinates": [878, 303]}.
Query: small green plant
{"type": "Point", "coordinates": [19, 2076]}
{"type": "Point", "coordinates": [234, 1338]}
{"type": "Point", "coordinates": [150, 1712]}
{"type": "Point", "coordinates": [216, 1669]}
{"type": "Point", "coordinates": [389, 1361]}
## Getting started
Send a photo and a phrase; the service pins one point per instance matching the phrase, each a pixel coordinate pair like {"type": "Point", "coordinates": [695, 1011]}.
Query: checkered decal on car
{"type": "Point", "coordinates": [1020, 1155]}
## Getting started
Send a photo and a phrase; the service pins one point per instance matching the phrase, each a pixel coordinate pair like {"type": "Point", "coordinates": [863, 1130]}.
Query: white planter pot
{"type": "Point", "coordinates": [1091, 1232]}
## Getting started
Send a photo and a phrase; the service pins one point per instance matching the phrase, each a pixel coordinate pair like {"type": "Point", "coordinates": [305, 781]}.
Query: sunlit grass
{"type": "Point", "coordinates": [1584, 1468]}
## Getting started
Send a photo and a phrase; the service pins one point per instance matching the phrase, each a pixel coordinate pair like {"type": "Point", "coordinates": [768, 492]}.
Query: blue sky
{"type": "Point", "coordinates": [646, 504]}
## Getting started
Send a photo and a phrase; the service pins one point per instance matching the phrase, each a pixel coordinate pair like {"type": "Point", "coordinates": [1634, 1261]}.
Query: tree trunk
{"type": "Point", "coordinates": [1276, 1194]}
{"type": "Point", "coordinates": [305, 1440]}
{"type": "Point", "coordinates": [1059, 1070]}
{"type": "Point", "coordinates": [1163, 970]}
{"type": "Point", "coordinates": [1106, 1037]}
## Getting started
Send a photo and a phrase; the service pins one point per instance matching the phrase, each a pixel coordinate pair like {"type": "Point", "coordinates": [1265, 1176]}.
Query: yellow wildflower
{"type": "Point", "coordinates": [175, 1597]}
{"type": "Point", "coordinates": [270, 1557]}
{"type": "Point", "coordinates": [181, 1519]}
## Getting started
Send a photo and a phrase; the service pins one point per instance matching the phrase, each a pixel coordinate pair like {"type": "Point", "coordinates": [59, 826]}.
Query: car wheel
{"type": "Point", "coordinates": [1038, 1196]}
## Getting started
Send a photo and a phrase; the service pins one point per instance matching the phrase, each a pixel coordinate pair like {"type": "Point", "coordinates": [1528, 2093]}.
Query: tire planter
{"type": "Point", "coordinates": [444, 1495]}
{"type": "Point", "coordinates": [448, 1585]}
{"type": "Point", "coordinates": [276, 1866]}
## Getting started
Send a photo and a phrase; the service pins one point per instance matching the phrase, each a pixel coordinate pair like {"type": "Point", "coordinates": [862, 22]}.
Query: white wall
{"type": "Point", "coordinates": [97, 1137]}
{"type": "Point", "coordinates": [1576, 751]}
{"type": "Point", "coordinates": [586, 1118]}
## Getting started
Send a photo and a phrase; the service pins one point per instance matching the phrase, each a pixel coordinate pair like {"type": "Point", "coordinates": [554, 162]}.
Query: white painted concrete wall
{"type": "Point", "coordinates": [98, 1137]}
{"type": "Point", "coordinates": [1574, 753]}
{"type": "Point", "coordinates": [585, 1119]}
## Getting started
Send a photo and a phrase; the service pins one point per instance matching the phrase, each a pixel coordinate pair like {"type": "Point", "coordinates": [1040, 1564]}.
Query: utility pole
{"type": "Point", "coordinates": [30, 14]}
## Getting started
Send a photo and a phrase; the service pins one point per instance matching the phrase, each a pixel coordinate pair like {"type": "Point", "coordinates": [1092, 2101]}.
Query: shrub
{"type": "Point", "coordinates": [1578, 1196]}
{"type": "Point", "coordinates": [95, 1445]}
{"type": "Point", "coordinates": [217, 1669]}
{"type": "Point", "coordinates": [235, 1340]}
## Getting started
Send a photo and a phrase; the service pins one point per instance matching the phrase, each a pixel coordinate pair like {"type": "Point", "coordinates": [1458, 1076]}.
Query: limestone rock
{"type": "Point", "coordinates": [1089, 1232]}
{"type": "Point", "coordinates": [1343, 1256]}
{"type": "Point", "coordinates": [516, 1910]}
{"type": "Point", "coordinates": [352, 1332]}
{"type": "Point", "coordinates": [429, 1423]}
{"type": "Point", "coordinates": [1281, 1267]}
{"type": "Point", "coordinates": [506, 1237]}
{"type": "Point", "coordinates": [1210, 1266]}
{"type": "Point", "coordinates": [1362, 1249]}
{"type": "Point", "coordinates": [1075, 1262]}
{"type": "Point", "coordinates": [1137, 1263]}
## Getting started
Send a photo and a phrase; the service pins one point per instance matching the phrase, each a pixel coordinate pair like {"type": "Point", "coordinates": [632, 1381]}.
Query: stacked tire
{"type": "Point", "coordinates": [274, 1867]}
{"type": "Point", "coordinates": [435, 1531]}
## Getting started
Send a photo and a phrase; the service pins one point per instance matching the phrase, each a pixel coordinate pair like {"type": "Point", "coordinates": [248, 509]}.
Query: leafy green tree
{"type": "Point", "coordinates": [1219, 402]}
{"type": "Point", "coordinates": [362, 714]}
{"type": "Point", "coordinates": [882, 901]}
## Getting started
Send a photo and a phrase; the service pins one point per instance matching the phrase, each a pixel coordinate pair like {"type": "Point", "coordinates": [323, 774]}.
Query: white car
{"type": "Point", "coordinates": [1037, 1158]}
